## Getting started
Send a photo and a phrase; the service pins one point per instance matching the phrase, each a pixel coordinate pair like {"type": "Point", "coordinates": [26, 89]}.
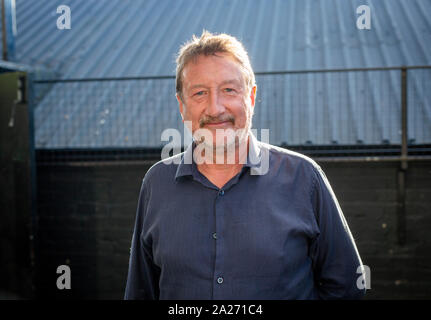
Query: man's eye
{"type": "Point", "coordinates": [229, 90]}
{"type": "Point", "coordinates": [200, 93]}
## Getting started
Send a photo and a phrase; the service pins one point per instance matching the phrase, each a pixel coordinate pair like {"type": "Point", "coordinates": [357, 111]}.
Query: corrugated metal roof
{"type": "Point", "coordinates": [112, 38]}
{"type": "Point", "coordinates": [7, 66]}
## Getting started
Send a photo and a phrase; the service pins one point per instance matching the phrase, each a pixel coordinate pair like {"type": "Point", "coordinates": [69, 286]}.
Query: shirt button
{"type": "Point", "coordinates": [215, 235]}
{"type": "Point", "coordinates": [219, 280]}
{"type": "Point", "coordinates": [221, 192]}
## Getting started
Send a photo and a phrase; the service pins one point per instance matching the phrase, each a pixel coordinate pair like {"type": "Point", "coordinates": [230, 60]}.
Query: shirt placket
{"type": "Point", "coordinates": [219, 277]}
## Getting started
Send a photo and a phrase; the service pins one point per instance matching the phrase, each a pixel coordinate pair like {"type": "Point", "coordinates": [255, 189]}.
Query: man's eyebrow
{"type": "Point", "coordinates": [230, 81]}
{"type": "Point", "coordinates": [197, 86]}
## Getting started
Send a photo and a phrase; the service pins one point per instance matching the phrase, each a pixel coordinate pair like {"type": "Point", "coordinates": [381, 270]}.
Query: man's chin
{"type": "Point", "coordinates": [218, 146]}
{"type": "Point", "coordinates": [223, 141]}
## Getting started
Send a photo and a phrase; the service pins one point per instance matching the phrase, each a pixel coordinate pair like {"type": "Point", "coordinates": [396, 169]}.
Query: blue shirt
{"type": "Point", "coordinates": [278, 235]}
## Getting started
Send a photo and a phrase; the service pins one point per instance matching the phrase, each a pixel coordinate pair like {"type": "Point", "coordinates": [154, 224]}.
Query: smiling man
{"type": "Point", "coordinates": [217, 103]}
{"type": "Point", "coordinates": [211, 228]}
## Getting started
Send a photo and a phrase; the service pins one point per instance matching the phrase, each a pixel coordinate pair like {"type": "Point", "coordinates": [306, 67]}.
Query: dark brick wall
{"type": "Point", "coordinates": [86, 216]}
{"type": "Point", "coordinates": [367, 193]}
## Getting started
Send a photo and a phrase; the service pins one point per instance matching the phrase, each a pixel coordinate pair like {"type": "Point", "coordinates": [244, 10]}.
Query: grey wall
{"type": "Point", "coordinates": [86, 216]}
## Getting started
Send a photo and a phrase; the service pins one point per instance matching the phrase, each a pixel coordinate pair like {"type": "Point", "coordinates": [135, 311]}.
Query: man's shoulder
{"type": "Point", "coordinates": [163, 169]}
{"type": "Point", "coordinates": [292, 157]}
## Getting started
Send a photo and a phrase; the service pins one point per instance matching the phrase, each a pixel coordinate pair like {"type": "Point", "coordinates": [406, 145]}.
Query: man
{"type": "Point", "coordinates": [238, 229]}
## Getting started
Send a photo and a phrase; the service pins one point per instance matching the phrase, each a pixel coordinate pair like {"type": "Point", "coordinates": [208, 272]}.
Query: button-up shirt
{"type": "Point", "coordinates": [276, 235]}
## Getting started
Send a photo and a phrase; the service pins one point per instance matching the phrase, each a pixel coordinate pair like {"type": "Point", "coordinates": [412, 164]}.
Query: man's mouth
{"type": "Point", "coordinates": [217, 124]}
{"type": "Point", "coordinates": [214, 122]}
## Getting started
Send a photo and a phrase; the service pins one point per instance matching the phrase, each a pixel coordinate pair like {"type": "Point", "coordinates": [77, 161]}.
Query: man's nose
{"type": "Point", "coordinates": [215, 105]}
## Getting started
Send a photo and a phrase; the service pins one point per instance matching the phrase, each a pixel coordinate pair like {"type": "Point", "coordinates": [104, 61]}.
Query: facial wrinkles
{"type": "Point", "coordinates": [239, 83]}
{"type": "Point", "coordinates": [208, 119]}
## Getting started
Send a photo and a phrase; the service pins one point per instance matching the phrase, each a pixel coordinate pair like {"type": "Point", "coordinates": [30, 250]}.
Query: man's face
{"type": "Point", "coordinates": [215, 96]}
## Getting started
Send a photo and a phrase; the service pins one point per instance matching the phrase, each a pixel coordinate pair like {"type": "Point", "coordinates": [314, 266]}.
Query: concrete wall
{"type": "Point", "coordinates": [86, 216]}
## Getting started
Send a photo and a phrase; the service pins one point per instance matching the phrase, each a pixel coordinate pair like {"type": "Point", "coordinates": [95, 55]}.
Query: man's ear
{"type": "Point", "coordinates": [253, 95]}
{"type": "Point", "coordinates": [180, 104]}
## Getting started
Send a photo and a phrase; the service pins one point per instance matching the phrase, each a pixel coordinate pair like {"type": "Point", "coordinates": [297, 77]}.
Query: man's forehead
{"type": "Point", "coordinates": [195, 72]}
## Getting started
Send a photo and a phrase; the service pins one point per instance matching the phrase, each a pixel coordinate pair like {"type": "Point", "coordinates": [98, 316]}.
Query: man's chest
{"type": "Point", "coordinates": [250, 235]}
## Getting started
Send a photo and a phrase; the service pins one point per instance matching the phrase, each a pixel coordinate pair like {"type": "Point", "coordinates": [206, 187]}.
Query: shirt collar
{"type": "Point", "coordinates": [187, 165]}
{"type": "Point", "coordinates": [254, 152]}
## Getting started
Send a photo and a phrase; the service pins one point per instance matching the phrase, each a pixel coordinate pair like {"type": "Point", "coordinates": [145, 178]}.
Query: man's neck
{"type": "Point", "coordinates": [220, 173]}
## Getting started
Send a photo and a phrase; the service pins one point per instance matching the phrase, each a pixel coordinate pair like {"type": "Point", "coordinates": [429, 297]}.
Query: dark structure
{"type": "Point", "coordinates": [17, 187]}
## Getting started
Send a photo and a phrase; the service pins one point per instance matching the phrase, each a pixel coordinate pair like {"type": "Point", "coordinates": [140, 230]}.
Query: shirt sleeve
{"type": "Point", "coordinates": [337, 265]}
{"type": "Point", "coordinates": [143, 275]}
